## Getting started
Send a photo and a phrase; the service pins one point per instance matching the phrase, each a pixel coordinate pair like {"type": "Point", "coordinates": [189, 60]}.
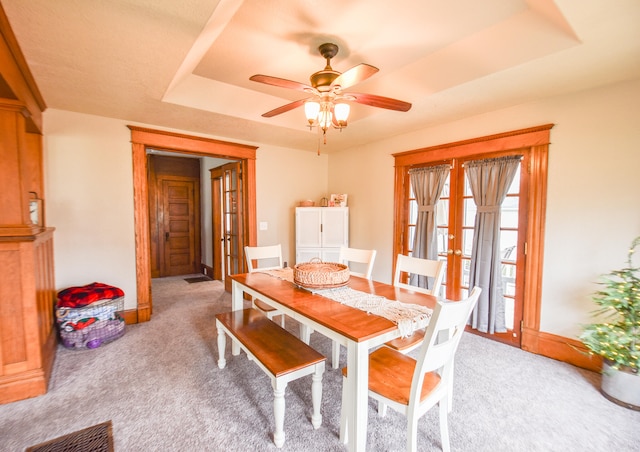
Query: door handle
{"type": "Point", "coordinates": [458, 252]}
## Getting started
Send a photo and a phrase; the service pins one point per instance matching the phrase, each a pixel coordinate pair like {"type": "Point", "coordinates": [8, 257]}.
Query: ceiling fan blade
{"type": "Point", "coordinates": [354, 75]}
{"type": "Point", "coordinates": [379, 101]}
{"type": "Point", "coordinates": [285, 108]}
{"type": "Point", "coordinates": [281, 82]}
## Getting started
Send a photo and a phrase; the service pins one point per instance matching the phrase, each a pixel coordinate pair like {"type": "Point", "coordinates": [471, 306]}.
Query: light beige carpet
{"type": "Point", "coordinates": [160, 386]}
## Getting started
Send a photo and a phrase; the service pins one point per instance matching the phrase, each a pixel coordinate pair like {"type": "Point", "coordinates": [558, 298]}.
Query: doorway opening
{"type": "Point", "coordinates": [143, 139]}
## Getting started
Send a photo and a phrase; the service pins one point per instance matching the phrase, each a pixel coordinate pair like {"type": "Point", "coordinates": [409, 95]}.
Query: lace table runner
{"type": "Point", "coordinates": [409, 317]}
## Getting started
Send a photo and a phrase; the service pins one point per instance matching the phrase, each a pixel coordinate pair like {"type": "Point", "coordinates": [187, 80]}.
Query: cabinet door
{"type": "Point", "coordinates": [306, 254]}
{"type": "Point", "coordinates": [330, 254]}
{"type": "Point", "coordinates": [335, 227]}
{"type": "Point", "coordinates": [308, 233]}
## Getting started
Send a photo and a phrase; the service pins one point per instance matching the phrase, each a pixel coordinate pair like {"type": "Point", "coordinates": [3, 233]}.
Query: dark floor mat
{"type": "Point", "coordinates": [198, 279]}
{"type": "Point", "coordinates": [95, 439]}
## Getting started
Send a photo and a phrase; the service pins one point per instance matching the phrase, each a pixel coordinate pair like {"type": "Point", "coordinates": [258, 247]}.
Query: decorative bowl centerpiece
{"type": "Point", "coordinates": [316, 274]}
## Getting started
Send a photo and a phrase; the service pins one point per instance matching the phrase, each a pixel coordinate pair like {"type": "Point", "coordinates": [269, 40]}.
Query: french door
{"type": "Point", "coordinates": [455, 216]}
{"type": "Point", "coordinates": [522, 224]}
{"type": "Point", "coordinates": [228, 215]}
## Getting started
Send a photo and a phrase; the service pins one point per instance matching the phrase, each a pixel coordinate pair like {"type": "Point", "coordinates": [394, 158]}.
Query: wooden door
{"type": "Point", "coordinates": [179, 204]}
{"type": "Point", "coordinates": [228, 229]}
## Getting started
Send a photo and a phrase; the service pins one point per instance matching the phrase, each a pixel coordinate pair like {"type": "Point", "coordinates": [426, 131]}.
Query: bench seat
{"type": "Point", "coordinates": [281, 355]}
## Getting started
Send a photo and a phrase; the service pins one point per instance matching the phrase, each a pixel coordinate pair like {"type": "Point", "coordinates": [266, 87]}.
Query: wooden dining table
{"type": "Point", "coordinates": [353, 328]}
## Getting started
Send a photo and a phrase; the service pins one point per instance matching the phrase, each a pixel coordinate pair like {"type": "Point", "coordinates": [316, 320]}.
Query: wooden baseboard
{"type": "Point", "coordinates": [561, 348]}
{"type": "Point", "coordinates": [206, 270]}
{"type": "Point", "coordinates": [130, 316]}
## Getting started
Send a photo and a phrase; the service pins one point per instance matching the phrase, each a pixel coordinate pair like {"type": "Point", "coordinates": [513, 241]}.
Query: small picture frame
{"type": "Point", "coordinates": [338, 200]}
{"type": "Point", "coordinates": [35, 211]}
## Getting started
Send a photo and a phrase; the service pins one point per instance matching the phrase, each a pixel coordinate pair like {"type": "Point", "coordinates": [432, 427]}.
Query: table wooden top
{"type": "Point", "coordinates": [352, 323]}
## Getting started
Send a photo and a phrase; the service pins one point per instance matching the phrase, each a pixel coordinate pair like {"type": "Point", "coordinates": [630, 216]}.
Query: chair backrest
{"type": "Point", "coordinates": [365, 257]}
{"type": "Point", "coordinates": [256, 253]}
{"type": "Point", "coordinates": [441, 340]}
{"type": "Point", "coordinates": [418, 266]}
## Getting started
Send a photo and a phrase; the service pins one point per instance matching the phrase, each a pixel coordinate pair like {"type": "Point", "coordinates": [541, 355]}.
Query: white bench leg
{"type": "Point", "coordinates": [222, 343]}
{"type": "Point", "coordinates": [278, 412]}
{"type": "Point", "coordinates": [316, 396]}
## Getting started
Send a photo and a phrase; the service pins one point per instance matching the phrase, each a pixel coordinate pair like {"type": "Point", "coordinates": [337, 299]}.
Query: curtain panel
{"type": "Point", "coordinates": [427, 184]}
{"type": "Point", "coordinates": [489, 180]}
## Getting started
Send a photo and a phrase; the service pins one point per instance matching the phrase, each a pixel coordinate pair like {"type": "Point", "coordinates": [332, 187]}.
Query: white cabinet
{"type": "Point", "coordinates": [320, 232]}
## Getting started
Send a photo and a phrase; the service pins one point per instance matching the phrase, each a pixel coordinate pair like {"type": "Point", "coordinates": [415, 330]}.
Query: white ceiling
{"type": "Point", "coordinates": [186, 64]}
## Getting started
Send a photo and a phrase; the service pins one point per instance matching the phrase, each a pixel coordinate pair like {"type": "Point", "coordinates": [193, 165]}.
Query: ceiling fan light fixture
{"type": "Point", "coordinates": [341, 111]}
{"type": "Point", "coordinates": [324, 118]}
{"type": "Point", "coordinates": [311, 110]}
{"type": "Point", "coordinates": [326, 108]}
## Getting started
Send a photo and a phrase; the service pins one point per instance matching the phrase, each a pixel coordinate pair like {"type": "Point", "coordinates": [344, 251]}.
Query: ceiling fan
{"type": "Point", "coordinates": [327, 102]}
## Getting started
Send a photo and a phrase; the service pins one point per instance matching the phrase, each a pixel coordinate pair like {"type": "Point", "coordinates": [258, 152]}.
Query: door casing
{"type": "Point", "coordinates": [143, 138]}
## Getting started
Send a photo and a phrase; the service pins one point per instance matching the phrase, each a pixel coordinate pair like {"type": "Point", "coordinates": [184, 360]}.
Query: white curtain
{"type": "Point", "coordinates": [427, 184]}
{"type": "Point", "coordinates": [489, 181]}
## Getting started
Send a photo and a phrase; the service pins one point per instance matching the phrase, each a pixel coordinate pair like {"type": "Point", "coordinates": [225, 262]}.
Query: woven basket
{"type": "Point", "coordinates": [316, 274]}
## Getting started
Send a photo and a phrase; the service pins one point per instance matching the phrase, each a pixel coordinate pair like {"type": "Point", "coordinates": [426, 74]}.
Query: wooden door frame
{"type": "Point", "coordinates": [143, 138]}
{"type": "Point", "coordinates": [536, 140]}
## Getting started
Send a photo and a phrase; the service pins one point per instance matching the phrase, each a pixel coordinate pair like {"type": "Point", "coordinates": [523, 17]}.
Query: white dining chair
{"type": "Point", "coordinates": [357, 259]}
{"type": "Point", "coordinates": [361, 260]}
{"type": "Point", "coordinates": [265, 258]}
{"type": "Point", "coordinates": [424, 267]}
{"type": "Point", "coordinates": [413, 386]}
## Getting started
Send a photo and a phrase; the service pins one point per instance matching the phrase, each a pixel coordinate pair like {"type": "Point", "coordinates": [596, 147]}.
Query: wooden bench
{"type": "Point", "coordinates": [281, 355]}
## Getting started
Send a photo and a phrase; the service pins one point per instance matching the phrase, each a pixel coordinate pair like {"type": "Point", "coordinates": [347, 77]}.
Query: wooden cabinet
{"type": "Point", "coordinates": [320, 232]}
{"type": "Point", "coordinates": [27, 284]}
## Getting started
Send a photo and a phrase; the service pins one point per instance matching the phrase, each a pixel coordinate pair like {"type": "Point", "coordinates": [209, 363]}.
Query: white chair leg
{"type": "Point", "coordinates": [278, 413]}
{"type": "Point", "coordinates": [344, 415]}
{"type": "Point", "coordinates": [282, 320]}
{"type": "Point", "coordinates": [382, 409]}
{"type": "Point", "coordinates": [412, 431]}
{"type": "Point", "coordinates": [444, 425]}
{"type": "Point", "coordinates": [335, 355]}
{"type": "Point", "coordinates": [316, 397]}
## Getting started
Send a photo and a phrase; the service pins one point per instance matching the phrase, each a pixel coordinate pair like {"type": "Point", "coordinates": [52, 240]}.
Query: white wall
{"type": "Point", "coordinates": [89, 200]}
{"type": "Point", "coordinates": [284, 177]}
{"type": "Point", "coordinates": [593, 208]}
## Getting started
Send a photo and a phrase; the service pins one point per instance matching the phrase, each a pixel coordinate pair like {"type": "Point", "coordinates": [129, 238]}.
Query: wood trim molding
{"type": "Point", "coordinates": [143, 138]}
{"type": "Point", "coordinates": [17, 75]}
{"type": "Point", "coordinates": [560, 348]}
{"type": "Point", "coordinates": [515, 139]}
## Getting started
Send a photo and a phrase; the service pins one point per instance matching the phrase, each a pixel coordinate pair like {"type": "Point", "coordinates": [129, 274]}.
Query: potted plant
{"type": "Point", "coordinates": [617, 339]}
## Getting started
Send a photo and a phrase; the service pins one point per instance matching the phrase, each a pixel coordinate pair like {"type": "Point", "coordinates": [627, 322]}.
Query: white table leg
{"type": "Point", "coordinates": [357, 395]}
{"type": "Point", "coordinates": [237, 304]}
{"type": "Point", "coordinates": [222, 344]}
